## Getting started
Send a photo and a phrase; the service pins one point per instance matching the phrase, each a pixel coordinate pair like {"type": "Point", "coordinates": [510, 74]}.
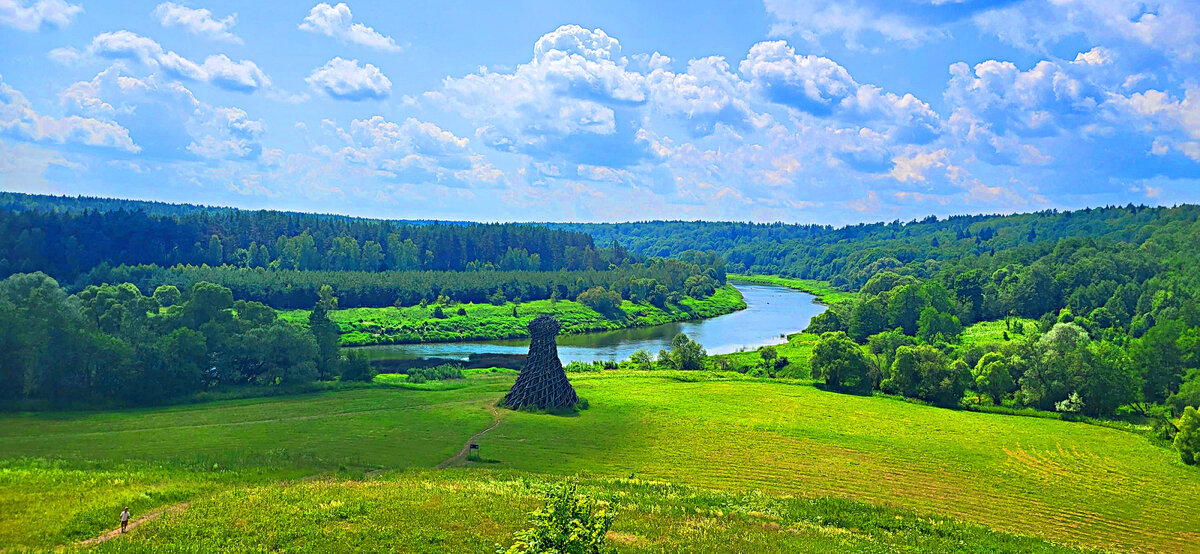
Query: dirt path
{"type": "Point", "coordinates": [466, 449]}
{"type": "Point", "coordinates": [134, 523]}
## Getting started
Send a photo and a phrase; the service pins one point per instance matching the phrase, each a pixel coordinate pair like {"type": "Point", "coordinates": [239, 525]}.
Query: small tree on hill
{"type": "Point", "coordinates": [641, 360]}
{"type": "Point", "coordinates": [686, 353]}
{"type": "Point", "coordinates": [992, 376]}
{"type": "Point", "coordinates": [768, 355]}
{"type": "Point", "coordinates": [326, 334]}
{"type": "Point", "coordinates": [841, 363]}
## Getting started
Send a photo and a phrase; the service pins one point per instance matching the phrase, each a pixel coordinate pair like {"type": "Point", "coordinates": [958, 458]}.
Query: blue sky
{"type": "Point", "coordinates": [787, 110]}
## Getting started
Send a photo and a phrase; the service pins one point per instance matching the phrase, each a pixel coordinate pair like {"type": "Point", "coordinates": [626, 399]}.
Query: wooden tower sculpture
{"type": "Point", "coordinates": [542, 383]}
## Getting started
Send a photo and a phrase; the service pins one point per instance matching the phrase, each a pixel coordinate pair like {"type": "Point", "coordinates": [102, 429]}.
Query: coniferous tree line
{"type": "Point", "coordinates": [41, 235]}
{"type": "Point", "coordinates": [282, 259]}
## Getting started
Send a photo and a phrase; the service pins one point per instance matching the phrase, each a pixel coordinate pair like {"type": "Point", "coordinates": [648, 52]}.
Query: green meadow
{"type": "Point", "coordinates": [710, 461]}
{"type": "Point", "coordinates": [413, 324]}
{"type": "Point", "coordinates": [825, 293]}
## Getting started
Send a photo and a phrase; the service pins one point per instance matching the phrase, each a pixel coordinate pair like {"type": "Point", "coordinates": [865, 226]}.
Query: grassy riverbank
{"type": "Point", "coordinates": [415, 324]}
{"type": "Point", "coordinates": [825, 293]}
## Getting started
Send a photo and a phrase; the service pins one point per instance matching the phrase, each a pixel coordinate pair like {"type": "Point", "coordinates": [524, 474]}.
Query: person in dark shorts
{"type": "Point", "coordinates": [124, 518]}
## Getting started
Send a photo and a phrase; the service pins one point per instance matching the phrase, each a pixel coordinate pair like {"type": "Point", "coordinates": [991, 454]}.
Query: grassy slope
{"type": "Point", "coordinates": [1067, 481]}
{"type": "Point", "coordinates": [182, 451]}
{"type": "Point", "coordinates": [798, 350]}
{"type": "Point", "coordinates": [1070, 482]}
{"type": "Point", "coordinates": [825, 293]}
{"type": "Point", "coordinates": [363, 326]}
{"type": "Point", "coordinates": [472, 511]}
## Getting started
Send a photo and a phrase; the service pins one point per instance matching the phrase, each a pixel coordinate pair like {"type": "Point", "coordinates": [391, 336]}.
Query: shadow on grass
{"type": "Point", "coordinates": [571, 411]}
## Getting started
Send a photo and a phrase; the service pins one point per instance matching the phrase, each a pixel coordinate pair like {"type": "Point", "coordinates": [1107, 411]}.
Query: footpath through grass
{"type": "Point", "coordinates": [725, 434]}
{"type": "Point", "coordinates": [414, 324]}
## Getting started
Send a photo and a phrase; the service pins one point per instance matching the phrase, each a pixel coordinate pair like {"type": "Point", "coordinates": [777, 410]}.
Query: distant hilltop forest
{"type": "Point", "coordinates": [283, 258]}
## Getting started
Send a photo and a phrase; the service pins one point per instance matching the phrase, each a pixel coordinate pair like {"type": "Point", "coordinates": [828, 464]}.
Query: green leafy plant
{"type": "Point", "coordinates": [569, 523]}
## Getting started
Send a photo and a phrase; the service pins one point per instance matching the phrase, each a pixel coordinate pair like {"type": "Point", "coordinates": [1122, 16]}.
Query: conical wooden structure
{"type": "Point", "coordinates": [542, 383]}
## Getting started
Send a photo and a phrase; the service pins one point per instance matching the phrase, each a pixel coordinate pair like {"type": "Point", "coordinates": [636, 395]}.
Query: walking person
{"type": "Point", "coordinates": [124, 518]}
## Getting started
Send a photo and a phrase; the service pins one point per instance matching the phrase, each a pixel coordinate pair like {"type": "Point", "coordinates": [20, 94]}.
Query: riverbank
{"type": "Point", "coordinates": [417, 324]}
{"type": "Point", "coordinates": [826, 294]}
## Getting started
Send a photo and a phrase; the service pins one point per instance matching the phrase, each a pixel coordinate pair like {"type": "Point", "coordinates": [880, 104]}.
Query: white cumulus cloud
{"type": "Point", "coordinates": [18, 119]}
{"type": "Point", "coordinates": [165, 117]}
{"type": "Point", "coordinates": [347, 80]}
{"type": "Point", "coordinates": [42, 14]}
{"type": "Point", "coordinates": [219, 70]}
{"type": "Point", "coordinates": [197, 21]}
{"type": "Point", "coordinates": [338, 22]}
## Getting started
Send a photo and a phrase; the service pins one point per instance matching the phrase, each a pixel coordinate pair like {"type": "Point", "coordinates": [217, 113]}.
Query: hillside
{"type": "Point", "coordinates": [752, 462]}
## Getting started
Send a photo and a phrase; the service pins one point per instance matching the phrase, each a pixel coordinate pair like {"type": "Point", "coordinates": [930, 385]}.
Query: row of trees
{"type": "Point", "coordinates": [1033, 369]}
{"type": "Point", "coordinates": [656, 281]}
{"type": "Point", "coordinates": [111, 343]}
{"type": "Point", "coordinates": [66, 238]}
{"type": "Point", "coordinates": [1063, 370]}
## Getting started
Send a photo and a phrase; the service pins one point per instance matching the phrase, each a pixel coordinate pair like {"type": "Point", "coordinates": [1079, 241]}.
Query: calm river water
{"type": "Point", "coordinates": [771, 313]}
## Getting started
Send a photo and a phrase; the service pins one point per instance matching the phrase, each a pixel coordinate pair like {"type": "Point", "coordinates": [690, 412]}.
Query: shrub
{"type": "Point", "coordinates": [600, 299]}
{"type": "Point", "coordinates": [641, 359]}
{"type": "Point", "coordinates": [435, 373]}
{"type": "Point", "coordinates": [583, 367]}
{"type": "Point", "coordinates": [1187, 440]}
{"type": "Point", "coordinates": [569, 523]}
{"type": "Point", "coordinates": [924, 372]}
{"type": "Point", "coordinates": [357, 368]}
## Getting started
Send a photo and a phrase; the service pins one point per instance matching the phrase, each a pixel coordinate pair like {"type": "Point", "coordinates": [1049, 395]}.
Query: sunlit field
{"type": "Point", "coordinates": [775, 443]}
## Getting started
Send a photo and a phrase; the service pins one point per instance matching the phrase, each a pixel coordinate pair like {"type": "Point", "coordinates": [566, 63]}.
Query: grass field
{"type": "Point", "coordinates": [473, 511]}
{"type": "Point", "coordinates": [365, 326]}
{"type": "Point", "coordinates": [992, 332]}
{"type": "Point", "coordinates": [824, 292]}
{"type": "Point", "coordinates": [716, 440]}
{"type": "Point", "coordinates": [798, 350]}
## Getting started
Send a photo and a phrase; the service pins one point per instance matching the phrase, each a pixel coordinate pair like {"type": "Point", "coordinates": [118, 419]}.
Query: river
{"type": "Point", "coordinates": [771, 313]}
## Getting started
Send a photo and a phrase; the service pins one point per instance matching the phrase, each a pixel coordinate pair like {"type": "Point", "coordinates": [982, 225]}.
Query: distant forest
{"type": "Point", "coordinates": [282, 258]}
{"type": "Point", "coordinates": [66, 238]}
{"type": "Point", "coordinates": [1137, 262]}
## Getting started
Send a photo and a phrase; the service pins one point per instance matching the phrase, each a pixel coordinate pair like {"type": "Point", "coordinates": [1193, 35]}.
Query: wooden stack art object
{"type": "Point", "coordinates": [542, 383]}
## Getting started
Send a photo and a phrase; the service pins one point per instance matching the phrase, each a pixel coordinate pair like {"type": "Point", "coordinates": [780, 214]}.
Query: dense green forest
{"type": "Point", "coordinates": [67, 243]}
{"type": "Point", "coordinates": [849, 256]}
{"type": "Point", "coordinates": [113, 344]}
{"type": "Point", "coordinates": [282, 259]}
